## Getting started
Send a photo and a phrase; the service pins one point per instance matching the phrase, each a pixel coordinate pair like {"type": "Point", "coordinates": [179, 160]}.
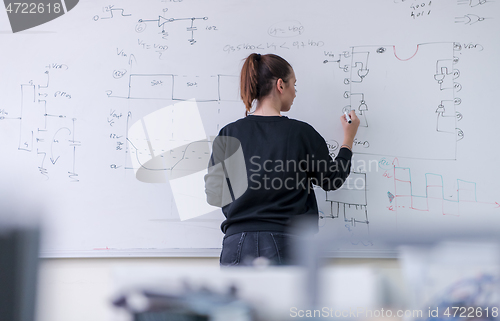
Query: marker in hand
{"type": "Point", "coordinates": [347, 117]}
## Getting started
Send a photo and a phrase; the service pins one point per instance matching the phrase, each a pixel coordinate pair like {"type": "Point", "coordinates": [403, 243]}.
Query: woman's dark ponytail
{"type": "Point", "coordinates": [249, 81]}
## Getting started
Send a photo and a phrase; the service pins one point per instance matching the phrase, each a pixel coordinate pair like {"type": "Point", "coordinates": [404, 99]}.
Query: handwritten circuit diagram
{"type": "Point", "coordinates": [403, 196]}
{"type": "Point", "coordinates": [111, 12]}
{"type": "Point", "coordinates": [374, 74]}
{"type": "Point", "coordinates": [162, 22]}
{"type": "Point", "coordinates": [47, 129]}
{"type": "Point", "coordinates": [180, 87]}
{"type": "Point", "coordinates": [478, 11]}
{"type": "Point", "coordinates": [172, 89]}
{"type": "Point", "coordinates": [349, 205]}
{"type": "Point", "coordinates": [211, 92]}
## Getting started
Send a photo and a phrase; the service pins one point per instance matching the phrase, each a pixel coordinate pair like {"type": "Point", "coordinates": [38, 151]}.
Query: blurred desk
{"type": "Point", "coordinates": [276, 293]}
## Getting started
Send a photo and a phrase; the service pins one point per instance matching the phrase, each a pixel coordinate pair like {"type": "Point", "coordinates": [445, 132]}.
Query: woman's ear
{"type": "Point", "coordinates": [280, 85]}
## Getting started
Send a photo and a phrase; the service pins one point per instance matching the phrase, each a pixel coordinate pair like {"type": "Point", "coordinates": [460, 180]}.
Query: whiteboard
{"type": "Point", "coordinates": [101, 107]}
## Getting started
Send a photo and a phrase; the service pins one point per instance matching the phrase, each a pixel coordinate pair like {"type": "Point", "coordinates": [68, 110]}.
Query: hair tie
{"type": "Point", "coordinates": [257, 57]}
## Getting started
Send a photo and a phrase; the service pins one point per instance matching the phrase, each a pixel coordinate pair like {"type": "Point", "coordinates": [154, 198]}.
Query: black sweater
{"type": "Point", "coordinates": [283, 158]}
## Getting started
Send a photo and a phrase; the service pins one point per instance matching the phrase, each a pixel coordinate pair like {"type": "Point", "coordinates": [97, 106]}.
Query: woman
{"type": "Point", "coordinates": [281, 158]}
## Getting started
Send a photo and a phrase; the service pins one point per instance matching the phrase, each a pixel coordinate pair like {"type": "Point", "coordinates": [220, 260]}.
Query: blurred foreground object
{"type": "Point", "coordinates": [191, 305]}
{"type": "Point", "coordinates": [18, 270]}
{"type": "Point", "coordinates": [454, 280]}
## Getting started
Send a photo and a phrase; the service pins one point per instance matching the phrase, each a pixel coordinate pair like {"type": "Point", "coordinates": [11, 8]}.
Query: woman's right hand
{"type": "Point", "coordinates": [351, 129]}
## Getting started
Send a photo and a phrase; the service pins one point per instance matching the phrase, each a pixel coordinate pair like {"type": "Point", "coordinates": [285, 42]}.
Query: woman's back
{"type": "Point", "coordinates": [263, 166]}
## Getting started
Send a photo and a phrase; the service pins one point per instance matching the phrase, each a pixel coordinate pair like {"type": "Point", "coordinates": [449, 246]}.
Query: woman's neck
{"type": "Point", "coordinates": [269, 106]}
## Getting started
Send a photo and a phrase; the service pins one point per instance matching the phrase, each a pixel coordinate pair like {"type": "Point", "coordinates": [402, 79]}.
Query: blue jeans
{"type": "Point", "coordinates": [242, 248]}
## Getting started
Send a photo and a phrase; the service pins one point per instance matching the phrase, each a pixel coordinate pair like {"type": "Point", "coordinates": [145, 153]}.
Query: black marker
{"type": "Point", "coordinates": [347, 117]}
